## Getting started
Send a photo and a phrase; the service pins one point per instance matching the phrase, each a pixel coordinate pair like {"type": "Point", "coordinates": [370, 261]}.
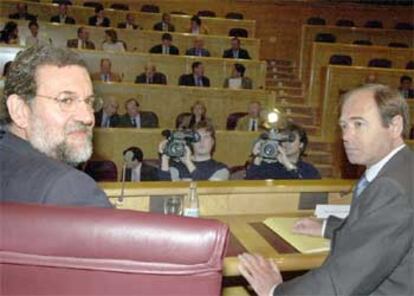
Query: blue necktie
{"type": "Point", "coordinates": [361, 185]}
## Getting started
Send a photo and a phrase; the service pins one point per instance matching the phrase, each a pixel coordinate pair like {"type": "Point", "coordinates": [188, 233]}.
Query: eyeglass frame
{"type": "Point", "coordinates": [95, 106]}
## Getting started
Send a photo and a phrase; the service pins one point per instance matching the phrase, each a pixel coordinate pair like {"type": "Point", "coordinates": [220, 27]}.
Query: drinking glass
{"type": "Point", "coordinates": [173, 205]}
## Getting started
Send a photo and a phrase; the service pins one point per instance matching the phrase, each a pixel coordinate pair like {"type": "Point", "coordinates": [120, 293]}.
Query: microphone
{"type": "Point", "coordinates": [128, 158]}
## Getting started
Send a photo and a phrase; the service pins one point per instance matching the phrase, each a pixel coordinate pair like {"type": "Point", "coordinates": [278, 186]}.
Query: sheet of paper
{"type": "Point", "coordinates": [303, 243]}
{"type": "Point", "coordinates": [324, 211]}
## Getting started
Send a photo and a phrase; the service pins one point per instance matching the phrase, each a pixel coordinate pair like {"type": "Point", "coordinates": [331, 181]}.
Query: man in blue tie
{"type": "Point", "coordinates": [372, 250]}
{"type": "Point", "coordinates": [196, 78]}
{"type": "Point", "coordinates": [198, 48]}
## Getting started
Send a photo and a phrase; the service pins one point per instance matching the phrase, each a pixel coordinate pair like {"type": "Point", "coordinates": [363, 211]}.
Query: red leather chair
{"type": "Point", "coordinates": [49, 250]}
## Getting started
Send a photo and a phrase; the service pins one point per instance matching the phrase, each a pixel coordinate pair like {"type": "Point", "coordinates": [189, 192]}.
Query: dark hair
{"type": "Point", "coordinates": [404, 78]}
{"type": "Point", "coordinates": [8, 29]}
{"type": "Point", "coordinates": [80, 29]}
{"type": "Point", "coordinates": [136, 151]}
{"type": "Point", "coordinates": [240, 68]}
{"type": "Point", "coordinates": [303, 137]}
{"type": "Point", "coordinates": [196, 19]}
{"type": "Point", "coordinates": [6, 68]}
{"type": "Point", "coordinates": [112, 35]}
{"type": "Point", "coordinates": [131, 100]}
{"type": "Point", "coordinates": [205, 124]}
{"type": "Point", "coordinates": [21, 79]}
{"type": "Point", "coordinates": [33, 23]}
{"type": "Point", "coordinates": [99, 8]}
{"type": "Point", "coordinates": [167, 36]}
{"type": "Point", "coordinates": [195, 65]}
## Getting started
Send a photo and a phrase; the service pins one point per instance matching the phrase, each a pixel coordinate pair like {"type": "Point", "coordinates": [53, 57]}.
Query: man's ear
{"type": "Point", "coordinates": [19, 111]}
{"type": "Point", "coordinates": [397, 125]}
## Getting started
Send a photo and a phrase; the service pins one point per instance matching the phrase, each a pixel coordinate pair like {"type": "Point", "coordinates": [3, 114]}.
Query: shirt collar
{"type": "Point", "coordinates": [373, 171]}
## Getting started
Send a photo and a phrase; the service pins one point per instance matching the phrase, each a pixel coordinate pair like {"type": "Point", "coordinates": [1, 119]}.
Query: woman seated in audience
{"type": "Point", "coordinates": [10, 33]}
{"type": "Point", "coordinates": [198, 114]}
{"type": "Point", "coordinates": [196, 27]}
{"type": "Point", "coordinates": [112, 43]}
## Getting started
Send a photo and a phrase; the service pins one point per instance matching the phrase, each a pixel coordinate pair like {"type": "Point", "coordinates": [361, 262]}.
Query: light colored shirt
{"type": "Point", "coordinates": [136, 173]}
{"type": "Point", "coordinates": [235, 83]}
{"type": "Point", "coordinates": [113, 47]}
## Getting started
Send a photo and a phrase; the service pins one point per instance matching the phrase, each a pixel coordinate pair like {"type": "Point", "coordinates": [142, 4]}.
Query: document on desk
{"type": "Point", "coordinates": [303, 243]}
{"type": "Point", "coordinates": [324, 211]}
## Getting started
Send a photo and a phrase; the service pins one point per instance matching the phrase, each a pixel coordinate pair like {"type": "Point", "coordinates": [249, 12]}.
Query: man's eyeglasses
{"type": "Point", "coordinates": [69, 102]}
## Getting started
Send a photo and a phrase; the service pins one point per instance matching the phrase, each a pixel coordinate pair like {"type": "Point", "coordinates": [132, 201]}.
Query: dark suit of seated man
{"type": "Point", "coordinates": [82, 42]}
{"type": "Point", "coordinates": [198, 50]}
{"type": "Point", "coordinates": [136, 169]}
{"type": "Point", "coordinates": [166, 46]}
{"type": "Point", "coordinates": [22, 13]}
{"type": "Point", "coordinates": [63, 17]}
{"type": "Point", "coordinates": [236, 52]}
{"type": "Point", "coordinates": [151, 76]}
{"type": "Point", "coordinates": [108, 116]}
{"type": "Point", "coordinates": [135, 119]}
{"type": "Point", "coordinates": [48, 129]}
{"type": "Point", "coordinates": [129, 23]}
{"type": "Point", "coordinates": [99, 19]}
{"type": "Point", "coordinates": [196, 78]}
{"type": "Point", "coordinates": [165, 24]}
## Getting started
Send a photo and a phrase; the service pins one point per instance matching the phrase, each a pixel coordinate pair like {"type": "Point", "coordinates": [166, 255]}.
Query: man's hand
{"type": "Point", "coordinates": [256, 151]}
{"type": "Point", "coordinates": [165, 159]}
{"type": "Point", "coordinates": [261, 274]}
{"type": "Point", "coordinates": [283, 159]}
{"type": "Point", "coordinates": [187, 159]}
{"type": "Point", "coordinates": [308, 226]}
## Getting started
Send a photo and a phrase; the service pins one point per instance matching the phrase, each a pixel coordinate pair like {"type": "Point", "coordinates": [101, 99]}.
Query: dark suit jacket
{"type": "Point", "coordinates": [157, 78]}
{"type": "Point", "coordinates": [73, 43]}
{"type": "Point", "coordinates": [113, 120]}
{"type": "Point", "coordinates": [68, 19]}
{"type": "Point", "coordinates": [147, 120]}
{"type": "Point", "coordinates": [192, 52]}
{"type": "Point", "coordinates": [243, 54]}
{"type": "Point", "coordinates": [158, 49]}
{"type": "Point", "coordinates": [410, 93]}
{"type": "Point", "coordinates": [93, 19]}
{"type": "Point", "coordinates": [123, 26]}
{"type": "Point", "coordinates": [372, 250]}
{"type": "Point", "coordinates": [148, 173]}
{"type": "Point", "coordinates": [188, 80]}
{"type": "Point", "coordinates": [30, 176]}
{"type": "Point", "coordinates": [27, 16]}
{"type": "Point", "coordinates": [158, 27]}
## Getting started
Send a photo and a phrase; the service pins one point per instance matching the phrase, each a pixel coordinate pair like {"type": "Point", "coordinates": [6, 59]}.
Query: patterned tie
{"type": "Point", "coordinates": [362, 184]}
{"type": "Point", "coordinates": [254, 126]}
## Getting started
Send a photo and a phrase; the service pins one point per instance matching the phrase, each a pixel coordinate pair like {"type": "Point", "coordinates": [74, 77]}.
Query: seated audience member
{"type": "Point", "coordinates": [48, 124]}
{"type": "Point", "coordinates": [82, 42]}
{"type": "Point", "coordinates": [166, 46]}
{"type": "Point", "coordinates": [108, 115]}
{"type": "Point", "coordinates": [22, 13]}
{"type": "Point", "coordinates": [105, 74]}
{"type": "Point", "coordinates": [289, 164]}
{"type": "Point", "coordinates": [197, 162]}
{"type": "Point", "coordinates": [129, 23]}
{"type": "Point", "coordinates": [35, 36]}
{"type": "Point", "coordinates": [236, 52]}
{"type": "Point", "coordinates": [196, 27]}
{"type": "Point", "coordinates": [63, 17]}
{"type": "Point", "coordinates": [134, 118]}
{"type": "Point", "coordinates": [405, 88]}
{"type": "Point", "coordinates": [10, 33]}
{"type": "Point", "coordinates": [151, 76]}
{"type": "Point", "coordinates": [198, 114]}
{"type": "Point", "coordinates": [196, 78]}
{"type": "Point", "coordinates": [6, 68]}
{"type": "Point", "coordinates": [252, 121]}
{"type": "Point", "coordinates": [165, 24]}
{"type": "Point", "coordinates": [112, 43]}
{"type": "Point", "coordinates": [99, 19]}
{"type": "Point", "coordinates": [198, 50]}
{"type": "Point", "coordinates": [136, 169]}
{"type": "Point", "coordinates": [237, 79]}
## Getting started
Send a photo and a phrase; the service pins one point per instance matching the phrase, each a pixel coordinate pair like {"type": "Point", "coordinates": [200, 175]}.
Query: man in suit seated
{"type": "Point", "coordinates": [82, 42]}
{"type": "Point", "coordinates": [105, 74]}
{"type": "Point", "coordinates": [22, 13]}
{"type": "Point", "coordinates": [288, 163]}
{"type": "Point", "coordinates": [108, 115]}
{"type": "Point", "coordinates": [405, 87]}
{"type": "Point", "coordinates": [165, 24]}
{"type": "Point", "coordinates": [252, 121]}
{"type": "Point", "coordinates": [236, 52]}
{"type": "Point", "coordinates": [136, 169]}
{"type": "Point", "coordinates": [198, 50]}
{"type": "Point", "coordinates": [99, 19]}
{"type": "Point", "coordinates": [166, 46]}
{"type": "Point", "coordinates": [372, 250]}
{"type": "Point", "coordinates": [196, 78]}
{"type": "Point", "coordinates": [134, 118]}
{"type": "Point", "coordinates": [151, 76]}
{"type": "Point", "coordinates": [237, 79]}
{"type": "Point", "coordinates": [62, 17]}
{"type": "Point", "coordinates": [129, 23]}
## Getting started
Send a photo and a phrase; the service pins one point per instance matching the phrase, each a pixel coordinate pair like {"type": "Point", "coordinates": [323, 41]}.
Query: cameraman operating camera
{"type": "Point", "coordinates": [288, 163]}
{"type": "Point", "coordinates": [196, 163]}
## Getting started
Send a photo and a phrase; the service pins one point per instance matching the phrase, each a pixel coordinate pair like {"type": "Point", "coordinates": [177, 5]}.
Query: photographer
{"type": "Point", "coordinates": [196, 163]}
{"type": "Point", "coordinates": [288, 163]}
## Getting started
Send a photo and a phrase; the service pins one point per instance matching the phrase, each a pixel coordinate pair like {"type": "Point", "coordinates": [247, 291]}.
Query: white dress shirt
{"type": "Point", "coordinates": [136, 173]}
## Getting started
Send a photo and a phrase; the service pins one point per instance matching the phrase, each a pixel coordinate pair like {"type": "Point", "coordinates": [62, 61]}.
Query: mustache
{"type": "Point", "coordinates": [78, 127]}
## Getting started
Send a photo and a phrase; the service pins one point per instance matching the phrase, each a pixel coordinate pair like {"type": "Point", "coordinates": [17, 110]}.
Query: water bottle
{"type": "Point", "coordinates": [191, 205]}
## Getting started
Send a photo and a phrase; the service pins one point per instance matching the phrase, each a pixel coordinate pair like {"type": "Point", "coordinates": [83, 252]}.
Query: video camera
{"type": "Point", "coordinates": [177, 140]}
{"type": "Point", "coordinates": [271, 141]}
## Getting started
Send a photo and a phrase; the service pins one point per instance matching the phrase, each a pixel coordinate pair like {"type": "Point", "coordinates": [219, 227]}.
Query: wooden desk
{"type": "Point", "coordinates": [129, 65]}
{"type": "Point", "coordinates": [216, 26]}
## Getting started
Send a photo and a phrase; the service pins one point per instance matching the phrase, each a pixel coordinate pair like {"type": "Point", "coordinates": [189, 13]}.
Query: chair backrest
{"type": "Point", "coordinates": [338, 59]}
{"type": "Point", "coordinates": [239, 32]}
{"type": "Point", "coordinates": [92, 4]}
{"type": "Point", "coordinates": [316, 20]}
{"type": "Point", "coordinates": [150, 8]}
{"type": "Point", "coordinates": [120, 6]}
{"type": "Point", "coordinates": [325, 37]}
{"type": "Point", "coordinates": [398, 44]}
{"type": "Point", "coordinates": [234, 16]}
{"type": "Point", "coordinates": [380, 63]}
{"type": "Point", "coordinates": [233, 118]}
{"type": "Point", "coordinates": [208, 13]}
{"type": "Point", "coordinates": [362, 42]}
{"type": "Point", "coordinates": [410, 65]}
{"type": "Point", "coordinates": [374, 24]}
{"type": "Point", "coordinates": [152, 115]}
{"type": "Point", "coordinates": [404, 26]}
{"type": "Point", "coordinates": [49, 250]}
{"type": "Point", "coordinates": [102, 170]}
{"type": "Point", "coordinates": [344, 23]}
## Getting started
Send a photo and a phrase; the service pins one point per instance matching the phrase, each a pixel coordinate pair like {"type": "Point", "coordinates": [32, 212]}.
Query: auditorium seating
{"type": "Point", "coordinates": [49, 250]}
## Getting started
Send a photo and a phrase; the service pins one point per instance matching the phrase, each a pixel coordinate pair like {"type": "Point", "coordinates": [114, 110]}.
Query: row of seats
{"type": "Point", "coordinates": [346, 60]}
{"type": "Point", "coordinates": [331, 38]}
{"type": "Point", "coordinates": [372, 24]}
